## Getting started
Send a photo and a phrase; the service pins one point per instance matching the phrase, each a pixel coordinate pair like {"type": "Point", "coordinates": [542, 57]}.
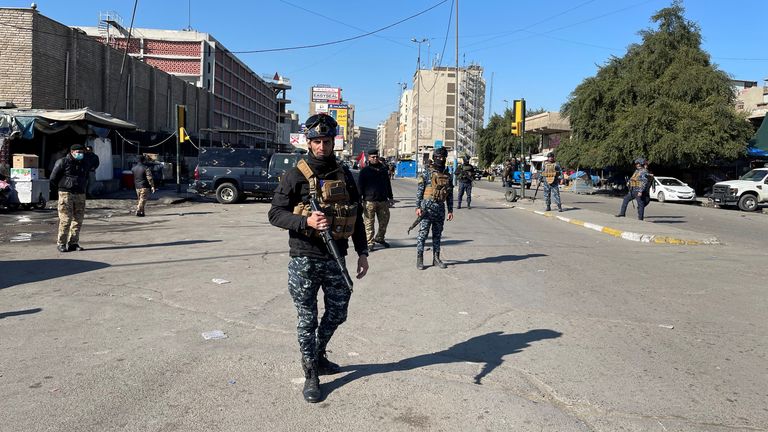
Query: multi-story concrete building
{"type": "Point", "coordinates": [387, 136]}
{"type": "Point", "coordinates": [242, 100]}
{"type": "Point", "coordinates": [438, 110]}
{"type": "Point", "coordinates": [364, 139]}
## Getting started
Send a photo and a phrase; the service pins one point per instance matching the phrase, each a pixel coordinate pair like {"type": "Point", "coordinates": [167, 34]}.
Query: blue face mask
{"type": "Point", "coordinates": [79, 156]}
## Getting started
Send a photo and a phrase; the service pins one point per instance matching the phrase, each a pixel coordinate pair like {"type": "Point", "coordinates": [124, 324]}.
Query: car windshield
{"type": "Point", "coordinates": [754, 175]}
{"type": "Point", "coordinates": [671, 182]}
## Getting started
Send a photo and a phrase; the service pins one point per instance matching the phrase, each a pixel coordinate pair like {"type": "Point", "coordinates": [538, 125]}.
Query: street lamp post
{"type": "Point", "coordinates": [418, 98]}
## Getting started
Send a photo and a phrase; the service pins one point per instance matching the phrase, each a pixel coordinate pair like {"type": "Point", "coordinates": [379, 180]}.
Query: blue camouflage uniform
{"type": "Point", "coordinates": [550, 176]}
{"type": "Point", "coordinates": [434, 210]}
{"type": "Point", "coordinates": [638, 184]}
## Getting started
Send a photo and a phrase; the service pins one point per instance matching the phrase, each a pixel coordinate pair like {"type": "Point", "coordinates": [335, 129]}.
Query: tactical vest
{"type": "Point", "coordinates": [634, 181]}
{"type": "Point", "coordinates": [549, 171]}
{"type": "Point", "coordinates": [334, 202]}
{"type": "Point", "coordinates": [437, 190]}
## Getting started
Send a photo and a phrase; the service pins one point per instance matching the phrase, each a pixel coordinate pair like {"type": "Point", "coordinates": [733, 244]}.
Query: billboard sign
{"type": "Point", "coordinates": [321, 108]}
{"type": "Point", "coordinates": [299, 140]}
{"type": "Point", "coordinates": [325, 94]}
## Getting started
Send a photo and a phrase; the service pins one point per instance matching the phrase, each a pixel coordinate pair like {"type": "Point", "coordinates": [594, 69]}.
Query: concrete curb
{"type": "Point", "coordinates": [626, 235]}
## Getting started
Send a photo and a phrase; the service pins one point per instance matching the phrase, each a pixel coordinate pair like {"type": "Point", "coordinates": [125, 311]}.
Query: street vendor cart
{"type": "Point", "coordinates": [30, 193]}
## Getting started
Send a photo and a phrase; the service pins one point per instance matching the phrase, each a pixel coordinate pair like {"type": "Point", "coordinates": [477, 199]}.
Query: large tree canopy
{"type": "Point", "coordinates": [664, 100]}
{"type": "Point", "coordinates": [495, 141]}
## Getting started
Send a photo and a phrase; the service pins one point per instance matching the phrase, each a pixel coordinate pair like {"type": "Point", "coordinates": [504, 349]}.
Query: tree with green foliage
{"type": "Point", "coordinates": [495, 142]}
{"type": "Point", "coordinates": [664, 100]}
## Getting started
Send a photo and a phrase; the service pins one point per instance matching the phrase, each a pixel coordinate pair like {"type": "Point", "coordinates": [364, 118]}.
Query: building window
{"type": "Point", "coordinates": [449, 111]}
{"type": "Point", "coordinates": [451, 87]}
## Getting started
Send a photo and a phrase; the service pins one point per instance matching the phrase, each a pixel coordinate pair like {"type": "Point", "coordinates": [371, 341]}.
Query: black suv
{"type": "Point", "coordinates": [235, 174]}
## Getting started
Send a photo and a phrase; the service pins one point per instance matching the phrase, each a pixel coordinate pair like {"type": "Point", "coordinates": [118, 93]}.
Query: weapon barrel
{"type": "Point", "coordinates": [332, 247]}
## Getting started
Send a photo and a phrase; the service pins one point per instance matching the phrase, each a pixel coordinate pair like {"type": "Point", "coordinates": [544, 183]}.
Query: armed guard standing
{"type": "Point", "coordinates": [551, 173]}
{"type": "Point", "coordinates": [638, 184]}
{"type": "Point", "coordinates": [434, 193]}
{"type": "Point", "coordinates": [376, 191]}
{"type": "Point", "coordinates": [311, 266]}
{"type": "Point", "coordinates": [144, 183]}
{"type": "Point", "coordinates": [465, 176]}
{"type": "Point", "coordinates": [70, 175]}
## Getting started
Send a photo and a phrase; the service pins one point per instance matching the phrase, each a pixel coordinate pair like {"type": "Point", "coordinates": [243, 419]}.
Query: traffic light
{"type": "Point", "coordinates": [516, 128]}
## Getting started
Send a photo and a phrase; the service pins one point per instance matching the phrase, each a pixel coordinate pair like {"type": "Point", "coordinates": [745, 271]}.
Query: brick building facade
{"type": "Point", "coordinates": [47, 65]}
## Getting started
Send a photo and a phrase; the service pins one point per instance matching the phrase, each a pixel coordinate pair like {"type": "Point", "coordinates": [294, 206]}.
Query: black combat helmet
{"type": "Point", "coordinates": [321, 125]}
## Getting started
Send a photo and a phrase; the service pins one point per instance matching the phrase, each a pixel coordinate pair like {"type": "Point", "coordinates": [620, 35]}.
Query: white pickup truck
{"type": "Point", "coordinates": [748, 192]}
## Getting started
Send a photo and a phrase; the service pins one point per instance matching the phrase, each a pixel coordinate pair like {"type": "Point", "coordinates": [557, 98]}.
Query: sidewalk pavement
{"type": "Point", "coordinates": [627, 228]}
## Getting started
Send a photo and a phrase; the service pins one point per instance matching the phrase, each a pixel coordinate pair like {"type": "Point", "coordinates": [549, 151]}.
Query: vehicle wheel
{"type": "Point", "coordinates": [661, 197]}
{"type": "Point", "coordinates": [510, 195]}
{"type": "Point", "coordinates": [748, 203]}
{"type": "Point", "coordinates": [227, 193]}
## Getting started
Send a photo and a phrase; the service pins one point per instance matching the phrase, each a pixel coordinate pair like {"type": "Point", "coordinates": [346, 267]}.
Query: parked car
{"type": "Point", "coordinates": [234, 174]}
{"type": "Point", "coordinates": [671, 189]}
{"type": "Point", "coordinates": [748, 192]}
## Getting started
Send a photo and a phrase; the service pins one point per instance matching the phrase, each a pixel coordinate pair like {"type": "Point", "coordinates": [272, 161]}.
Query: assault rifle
{"type": "Point", "coordinates": [330, 243]}
{"type": "Point", "coordinates": [416, 222]}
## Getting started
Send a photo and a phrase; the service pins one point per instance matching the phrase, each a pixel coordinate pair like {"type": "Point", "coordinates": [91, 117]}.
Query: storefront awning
{"type": "Point", "coordinates": [758, 145]}
{"type": "Point", "coordinates": [53, 121]}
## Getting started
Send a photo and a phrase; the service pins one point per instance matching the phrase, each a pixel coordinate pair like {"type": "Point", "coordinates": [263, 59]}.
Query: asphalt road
{"type": "Point", "coordinates": [730, 225]}
{"type": "Point", "coordinates": [536, 325]}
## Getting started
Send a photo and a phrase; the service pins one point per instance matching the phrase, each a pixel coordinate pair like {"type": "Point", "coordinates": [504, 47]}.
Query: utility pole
{"type": "Point", "coordinates": [456, 122]}
{"type": "Point", "coordinates": [418, 94]}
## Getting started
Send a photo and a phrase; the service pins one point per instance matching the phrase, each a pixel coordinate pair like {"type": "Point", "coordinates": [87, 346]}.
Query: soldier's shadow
{"type": "Point", "coordinates": [488, 349]}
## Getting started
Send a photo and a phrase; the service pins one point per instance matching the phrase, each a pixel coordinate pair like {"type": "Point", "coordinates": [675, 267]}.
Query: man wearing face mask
{"type": "Point", "coordinates": [312, 267]}
{"type": "Point", "coordinates": [70, 174]}
{"type": "Point", "coordinates": [434, 193]}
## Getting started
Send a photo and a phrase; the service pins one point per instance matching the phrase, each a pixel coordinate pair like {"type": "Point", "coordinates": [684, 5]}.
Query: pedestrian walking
{"type": "Point", "coordinates": [69, 174]}
{"type": "Point", "coordinates": [551, 174]}
{"type": "Point", "coordinates": [637, 187]}
{"type": "Point", "coordinates": [144, 183]}
{"type": "Point", "coordinates": [91, 160]}
{"type": "Point", "coordinates": [465, 175]}
{"type": "Point", "coordinates": [376, 190]}
{"type": "Point", "coordinates": [312, 266]}
{"type": "Point", "coordinates": [433, 195]}
{"type": "Point", "coordinates": [506, 174]}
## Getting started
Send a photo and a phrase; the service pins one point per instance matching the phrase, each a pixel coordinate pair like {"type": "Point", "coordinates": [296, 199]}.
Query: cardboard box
{"type": "Point", "coordinates": [21, 160]}
{"type": "Point", "coordinates": [27, 173]}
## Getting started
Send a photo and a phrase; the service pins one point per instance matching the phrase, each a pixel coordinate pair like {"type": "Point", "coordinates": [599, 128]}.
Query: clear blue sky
{"type": "Point", "coordinates": [539, 50]}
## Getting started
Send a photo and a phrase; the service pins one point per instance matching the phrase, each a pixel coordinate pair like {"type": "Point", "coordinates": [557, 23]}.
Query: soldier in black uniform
{"type": "Point", "coordinates": [465, 176]}
{"type": "Point", "coordinates": [434, 193]}
{"type": "Point", "coordinates": [311, 266]}
{"type": "Point", "coordinates": [638, 184]}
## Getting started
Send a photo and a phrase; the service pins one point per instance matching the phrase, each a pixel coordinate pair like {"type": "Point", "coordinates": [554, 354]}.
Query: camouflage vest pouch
{"type": "Point", "coordinates": [437, 191]}
{"type": "Point", "coordinates": [550, 172]}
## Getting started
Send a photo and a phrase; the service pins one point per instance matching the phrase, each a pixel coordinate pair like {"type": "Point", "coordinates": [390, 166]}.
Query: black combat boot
{"type": "Point", "coordinates": [325, 366]}
{"type": "Point", "coordinates": [420, 261]}
{"type": "Point", "coordinates": [312, 393]}
{"type": "Point", "coordinates": [436, 261]}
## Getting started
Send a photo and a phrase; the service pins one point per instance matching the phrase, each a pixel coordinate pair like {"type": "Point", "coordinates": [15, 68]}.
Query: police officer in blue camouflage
{"type": "Point", "coordinates": [312, 267]}
{"type": "Point", "coordinates": [638, 184]}
{"type": "Point", "coordinates": [550, 176]}
{"type": "Point", "coordinates": [434, 193]}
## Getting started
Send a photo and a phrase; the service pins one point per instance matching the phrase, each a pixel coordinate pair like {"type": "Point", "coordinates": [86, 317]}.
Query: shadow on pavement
{"type": "Point", "coordinates": [488, 349]}
{"type": "Point", "coordinates": [497, 259]}
{"type": "Point", "coordinates": [398, 245]}
{"type": "Point", "coordinates": [27, 271]}
{"type": "Point", "coordinates": [19, 312]}
{"type": "Point", "coordinates": [664, 217]}
{"type": "Point", "coordinates": [176, 243]}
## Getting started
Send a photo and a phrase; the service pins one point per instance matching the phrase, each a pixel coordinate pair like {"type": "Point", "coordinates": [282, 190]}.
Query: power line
{"type": "Point", "coordinates": [445, 43]}
{"type": "Point", "coordinates": [340, 40]}
{"type": "Point", "coordinates": [315, 13]}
